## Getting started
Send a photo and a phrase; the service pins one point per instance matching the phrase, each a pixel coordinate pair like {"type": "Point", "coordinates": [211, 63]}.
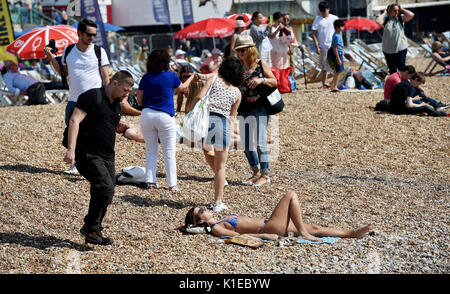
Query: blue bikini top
{"type": "Point", "coordinates": [232, 220]}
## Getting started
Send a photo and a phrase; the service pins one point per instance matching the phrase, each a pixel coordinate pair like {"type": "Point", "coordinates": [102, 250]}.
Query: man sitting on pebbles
{"type": "Point", "coordinates": [285, 218]}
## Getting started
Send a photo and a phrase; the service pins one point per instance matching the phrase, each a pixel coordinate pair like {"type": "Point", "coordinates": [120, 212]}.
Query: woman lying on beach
{"type": "Point", "coordinates": [285, 218]}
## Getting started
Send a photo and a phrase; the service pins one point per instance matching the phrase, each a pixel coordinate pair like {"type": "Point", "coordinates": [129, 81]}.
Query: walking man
{"type": "Point", "coordinates": [85, 64]}
{"type": "Point", "coordinates": [322, 34]}
{"type": "Point", "coordinates": [91, 139]}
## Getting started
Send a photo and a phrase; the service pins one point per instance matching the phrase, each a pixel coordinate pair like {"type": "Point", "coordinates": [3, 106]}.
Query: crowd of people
{"type": "Point", "coordinates": [24, 14]}
{"type": "Point", "coordinates": [237, 84]}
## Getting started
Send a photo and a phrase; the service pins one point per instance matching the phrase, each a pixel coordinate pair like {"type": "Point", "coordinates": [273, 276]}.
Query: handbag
{"type": "Point", "coordinates": [196, 122]}
{"type": "Point", "coordinates": [273, 102]}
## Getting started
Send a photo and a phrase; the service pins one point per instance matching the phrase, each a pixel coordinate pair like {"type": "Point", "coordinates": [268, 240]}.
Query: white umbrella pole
{"type": "Point", "coordinates": [214, 42]}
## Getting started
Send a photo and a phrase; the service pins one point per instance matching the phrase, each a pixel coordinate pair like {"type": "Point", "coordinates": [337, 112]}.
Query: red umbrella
{"type": "Point", "coordinates": [247, 18]}
{"type": "Point", "coordinates": [31, 45]}
{"type": "Point", "coordinates": [361, 24]}
{"type": "Point", "coordinates": [211, 27]}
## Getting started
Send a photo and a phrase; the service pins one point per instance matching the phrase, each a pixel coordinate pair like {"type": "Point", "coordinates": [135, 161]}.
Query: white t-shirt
{"type": "Point", "coordinates": [83, 71]}
{"type": "Point", "coordinates": [325, 30]}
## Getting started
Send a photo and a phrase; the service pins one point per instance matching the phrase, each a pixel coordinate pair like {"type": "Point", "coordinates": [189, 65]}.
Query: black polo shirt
{"type": "Point", "coordinates": [399, 94]}
{"type": "Point", "coordinates": [97, 134]}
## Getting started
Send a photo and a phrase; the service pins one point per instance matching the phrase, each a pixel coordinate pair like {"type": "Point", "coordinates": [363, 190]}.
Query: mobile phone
{"type": "Point", "coordinates": [271, 19]}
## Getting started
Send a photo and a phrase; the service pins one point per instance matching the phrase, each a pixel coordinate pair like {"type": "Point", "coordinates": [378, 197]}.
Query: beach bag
{"type": "Point", "coordinates": [132, 175]}
{"type": "Point", "coordinates": [331, 58]}
{"type": "Point", "coordinates": [282, 75]}
{"type": "Point", "coordinates": [196, 122]}
{"type": "Point", "coordinates": [370, 81]}
{"type": "Point", "coordinates": [272, 101]}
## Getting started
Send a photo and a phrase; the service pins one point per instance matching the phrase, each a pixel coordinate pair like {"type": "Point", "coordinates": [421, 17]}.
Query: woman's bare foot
{"type": "Point", "coordinates": [310, 237]}
{"type": "Point", "coordinates": [361, 232]}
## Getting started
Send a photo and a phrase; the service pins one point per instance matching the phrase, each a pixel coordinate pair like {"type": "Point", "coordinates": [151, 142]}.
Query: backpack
{"type": "Point", "coordinates": [383, 105]}
{"type": "Point", "coordinates": [69, 48]}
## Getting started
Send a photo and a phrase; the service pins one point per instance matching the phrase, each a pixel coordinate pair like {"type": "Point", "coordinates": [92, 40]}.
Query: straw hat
{"type": "Point", "coordinates": [244, 42]}
{"type": "Point", "coordinates": [436, 45]}
{"type": "Point", "coordinates": [240, 23]}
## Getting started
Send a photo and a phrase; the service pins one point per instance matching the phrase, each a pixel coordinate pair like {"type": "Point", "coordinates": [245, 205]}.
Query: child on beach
{"type": "Point", "coordinates": [336, 56]}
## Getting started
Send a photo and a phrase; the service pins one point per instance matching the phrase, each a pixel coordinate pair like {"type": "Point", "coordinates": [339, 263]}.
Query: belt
{"type": "Point", "coordinates": [34, 86]}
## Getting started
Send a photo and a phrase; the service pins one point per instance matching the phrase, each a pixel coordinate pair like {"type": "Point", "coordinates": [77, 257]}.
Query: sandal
{"type": "Point", "coordinates": [260, 184]}
{"type": "Point", "coordinates": [149, 186]}
{"type": "Point", "coordinates": [251, 181]}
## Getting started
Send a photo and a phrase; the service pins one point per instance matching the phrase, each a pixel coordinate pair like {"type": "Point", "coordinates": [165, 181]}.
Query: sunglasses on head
{"type": "Point", "coordinates": [90, 35]}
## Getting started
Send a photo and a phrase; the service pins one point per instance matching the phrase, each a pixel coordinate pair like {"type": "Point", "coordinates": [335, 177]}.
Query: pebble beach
{"type": "Point", "coordinates": [349, 165]}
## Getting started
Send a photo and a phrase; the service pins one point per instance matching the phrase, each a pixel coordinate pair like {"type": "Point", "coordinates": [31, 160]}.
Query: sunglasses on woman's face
{"type": "Point", "coordinates": [241, 50]}
{"type": "Point", "coordinates": [197, 216]}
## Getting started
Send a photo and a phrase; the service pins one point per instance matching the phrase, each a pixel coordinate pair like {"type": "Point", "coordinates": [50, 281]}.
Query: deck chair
{"type": "Point", "coordinates": [430, 69]}
{"type": "Point", "coordinates": [8, 98]}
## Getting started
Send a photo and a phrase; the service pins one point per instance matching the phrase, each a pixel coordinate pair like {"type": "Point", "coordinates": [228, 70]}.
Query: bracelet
{"type": "Point", "coordinates": [264, 81]}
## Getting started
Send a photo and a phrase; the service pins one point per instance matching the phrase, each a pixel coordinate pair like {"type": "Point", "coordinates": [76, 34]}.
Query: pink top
{"type": "Point", "coordinates": [390, 83]}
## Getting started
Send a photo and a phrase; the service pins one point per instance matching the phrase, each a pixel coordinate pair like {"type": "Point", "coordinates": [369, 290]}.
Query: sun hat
{"type": "Point", "coordinates": [179, 52]}
{"type": "Point", "coordinates": [244, 42]}
{"type": "Point", "coordinates": [436, 45]}
{"type": "Point", "coordinates": [240, 23]}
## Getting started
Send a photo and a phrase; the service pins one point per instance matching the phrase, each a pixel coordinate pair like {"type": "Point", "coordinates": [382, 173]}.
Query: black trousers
{"type": "Point", "coordinates": [419, 110]}
{"type": "Point", "coordinates": [101, 175]}
{"type": "Point", "coordinates": [394, 61]}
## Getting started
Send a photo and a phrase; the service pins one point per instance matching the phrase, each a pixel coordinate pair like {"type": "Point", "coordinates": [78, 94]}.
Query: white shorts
{"type": "Point", "coordinates": [323, 64]}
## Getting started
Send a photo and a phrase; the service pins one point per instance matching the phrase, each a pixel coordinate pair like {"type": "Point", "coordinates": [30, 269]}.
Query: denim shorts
{"type": "Point", "coordinates": [218, 131]}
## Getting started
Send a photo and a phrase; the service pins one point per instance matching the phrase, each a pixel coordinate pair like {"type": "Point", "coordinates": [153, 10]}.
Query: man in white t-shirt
{"type": "Point", "coordinates": [322, 33]}
{"type": "Point", "coordinates": [81, 66]}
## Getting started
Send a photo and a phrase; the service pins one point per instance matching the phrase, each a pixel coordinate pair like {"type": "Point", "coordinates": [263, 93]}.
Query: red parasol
{"type": "Point", "coordinates": [31, 45]}
{"type": "Point", "coordinates": [361, 24]}
{"type": "Point", "coordinates": [211, 27]}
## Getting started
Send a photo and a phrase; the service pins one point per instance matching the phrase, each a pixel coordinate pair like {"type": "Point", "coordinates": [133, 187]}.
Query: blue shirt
{"type": "Point", "coordinates": [158, 90]}
{"type": "Point", "coordinates": [337, 40]}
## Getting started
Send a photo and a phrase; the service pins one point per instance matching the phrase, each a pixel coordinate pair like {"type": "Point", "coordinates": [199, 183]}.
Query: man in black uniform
{"type": "Point", "coordinates": [91, 139]}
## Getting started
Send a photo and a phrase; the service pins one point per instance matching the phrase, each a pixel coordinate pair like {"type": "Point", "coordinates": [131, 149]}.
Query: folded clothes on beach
{"type": "Point", "coordinates": [327, 240]}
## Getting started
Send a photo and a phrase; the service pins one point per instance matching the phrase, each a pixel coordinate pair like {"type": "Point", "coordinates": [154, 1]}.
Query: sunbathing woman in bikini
{"type": "Point", "coordinates": [285, 218]}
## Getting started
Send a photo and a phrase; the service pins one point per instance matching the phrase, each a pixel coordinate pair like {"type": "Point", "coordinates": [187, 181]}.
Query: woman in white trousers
{"type": "Point", "coordinates": [155, 93]}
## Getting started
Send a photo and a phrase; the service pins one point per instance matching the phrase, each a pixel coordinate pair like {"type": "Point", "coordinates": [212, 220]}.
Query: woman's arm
{"type": "Point", "coordinates": [140, 97]}
{"type": "Point", "coordinates": [407, 15]}
{"type": "Point", "coordinates": [380, 18]}
{"type": "Point", "coordinates": [232, 43]}
{"type": "Point", "coordinates": [271, 80]}
{"type": "Point", "coordinates": [439, 59]}
{"type": "Point", "coordinates": [184, 86]}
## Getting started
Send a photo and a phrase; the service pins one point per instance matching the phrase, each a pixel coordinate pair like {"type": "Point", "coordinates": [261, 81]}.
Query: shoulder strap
{"type": "Point", "coordinates": [99, 95]}
{"type": "Point", "coordinates": [98, 53]}
{"type": "Point", "coordinates": [210, 87]}
{"type": "Point", "coordinates": [68, 49]}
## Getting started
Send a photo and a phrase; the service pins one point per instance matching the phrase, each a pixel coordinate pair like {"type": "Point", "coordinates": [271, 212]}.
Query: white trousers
{"type": "Point", "coordinates": [159, 125]}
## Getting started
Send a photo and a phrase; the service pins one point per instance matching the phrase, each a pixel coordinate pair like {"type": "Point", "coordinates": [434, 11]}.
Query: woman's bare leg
{"type": "Point", "coordinates": [288, 209]}
{"type": "Point", "coordinates": [319, 231]}
{"type": "Point", "coordinates": [220, 161]}
{"type": "Point", "coordinates": [208, 151]}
